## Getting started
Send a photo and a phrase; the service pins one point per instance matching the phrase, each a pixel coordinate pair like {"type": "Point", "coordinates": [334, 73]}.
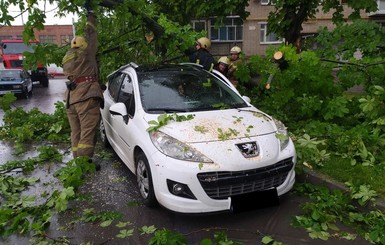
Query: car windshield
{"type": "Point", "coordinates": [185, 90]}
{"type": "Point", "coordinates": [17, 48]}
{"type": "Point", "coordinates": [6, 75]}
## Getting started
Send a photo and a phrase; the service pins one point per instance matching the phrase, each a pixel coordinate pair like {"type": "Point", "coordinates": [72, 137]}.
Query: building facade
{"type": "Point", "coordinates": [59, 34]}
{"type": "Point", "coordinates": [252, 34]}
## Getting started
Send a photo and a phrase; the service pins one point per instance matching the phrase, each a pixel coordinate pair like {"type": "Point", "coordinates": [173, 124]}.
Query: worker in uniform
{"type": "Point", "coordinates": [235, 59]}
{"type": "Point", "coordinates": [84, 95]}
{"type": "Point", "coordinates": [202, 54]}
{"type": "Point", "coordinates": [223, 65]}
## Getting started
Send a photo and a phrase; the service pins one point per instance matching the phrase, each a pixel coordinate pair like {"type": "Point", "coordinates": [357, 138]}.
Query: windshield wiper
{"type": "Point", "coordinates": [167, 110]}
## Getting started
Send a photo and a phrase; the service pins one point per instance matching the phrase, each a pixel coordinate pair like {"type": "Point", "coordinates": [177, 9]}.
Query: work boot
{"type": "Point", "coordinates": [97, 165]}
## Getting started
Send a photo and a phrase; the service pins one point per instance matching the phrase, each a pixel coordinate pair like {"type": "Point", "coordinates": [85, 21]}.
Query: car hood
{"type": "Point", "coordinates": [218, 125]}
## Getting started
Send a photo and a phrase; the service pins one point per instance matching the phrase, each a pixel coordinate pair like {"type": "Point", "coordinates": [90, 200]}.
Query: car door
{"type": "Point", "coordinates": [125, 129]}
{"type": "Point", "coordinates": [110, 98]}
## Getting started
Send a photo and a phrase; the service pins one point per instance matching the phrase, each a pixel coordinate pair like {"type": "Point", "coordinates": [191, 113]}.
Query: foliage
{"type": "Point", "coordinates": [169, 29]}
{"type": "Point", "coordinates": [165, 236]}
{"type": "Point", "coordinates": [270, 240]}
{"type": "Point", "coordinates": [89, 215]}
{"type": "Point", "coordinates": [23, 126]}
{"type": "Point", "coordinates": [363, 193]}
{"type": "Point", "coordinates": [22, 213]}
{"type": "Point", "coordinates": [6, 101]}
{"type": "Point", "coordinates": [165, 118]}
{"type": "Point", "coordinates": [72, 174]}
{"type": "Point", "coordinates": [201, 9]}
{"type": "Point", "coordinates": [287, 19]}
{"type": "Point", "coordinates": [329, 207]}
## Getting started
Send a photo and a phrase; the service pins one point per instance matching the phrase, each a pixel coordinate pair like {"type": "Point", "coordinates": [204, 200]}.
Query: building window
{"type": "Point", "coordinates": [65, 39]}
{"type": "Point", "coordinates": [268, 38]}
{"type": "Point", "coordinates": [5, 37]}
{"type": "Point", "coordinates": [381, 5]}
{"type": "Point", "coordinates": [47, 38]}
{"type": "Point", "coordinates": [199, 25]}
{"type": "Point", "coordinates": [230, 30]}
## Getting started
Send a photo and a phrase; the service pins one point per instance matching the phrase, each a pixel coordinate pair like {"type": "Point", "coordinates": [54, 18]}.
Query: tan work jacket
{"type": "Point", "coordinates": [79, 62]}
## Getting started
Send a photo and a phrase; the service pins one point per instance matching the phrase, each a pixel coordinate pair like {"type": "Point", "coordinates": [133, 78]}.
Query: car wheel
{"type": "Point", "coordinates": [144, 179]}
{"type": "Point", "coordinates": [44, 81]}
{"type": "Point", "coordinates": [103, 136]}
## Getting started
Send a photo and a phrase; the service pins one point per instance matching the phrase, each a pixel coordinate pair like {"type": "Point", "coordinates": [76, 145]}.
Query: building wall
{"type": "Point", "coordinates": [259, 14]}
{"type": "Point", "coordinates": [59, 34]}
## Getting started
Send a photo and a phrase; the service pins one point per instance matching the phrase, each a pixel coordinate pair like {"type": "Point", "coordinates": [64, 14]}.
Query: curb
{"type": "Point", "coordinates": [311, 176]}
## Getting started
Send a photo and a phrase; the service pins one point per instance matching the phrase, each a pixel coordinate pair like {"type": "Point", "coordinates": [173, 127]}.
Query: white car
{"type": "Point", "coordinates": [193, 142]}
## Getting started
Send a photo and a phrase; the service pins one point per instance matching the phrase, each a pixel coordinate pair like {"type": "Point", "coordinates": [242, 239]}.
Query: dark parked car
{"type": "Point", "coordinates": [16, 81]}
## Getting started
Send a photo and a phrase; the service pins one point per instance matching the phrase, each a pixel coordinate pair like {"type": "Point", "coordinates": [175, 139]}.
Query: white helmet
{"type": "Point", "coordinates": [235, 50]}
{"type": "Point", "coordinates": [224, 60]}
{"type": "Point", "coordinates": [204, 42]}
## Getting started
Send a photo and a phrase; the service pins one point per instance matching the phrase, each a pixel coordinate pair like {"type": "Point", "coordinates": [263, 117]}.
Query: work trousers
{"type": "Point", "coordinates": [84, 118]}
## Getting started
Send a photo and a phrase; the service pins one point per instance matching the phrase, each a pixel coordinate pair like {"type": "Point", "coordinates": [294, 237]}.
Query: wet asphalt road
{"type": "Point", "coordinates": [113, 189]}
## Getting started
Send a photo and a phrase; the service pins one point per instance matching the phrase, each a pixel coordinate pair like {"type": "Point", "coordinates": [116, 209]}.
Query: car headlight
{"type": "Point", "coordinates": [174, 148]}
{"type": "Point", "coordinates": [282, 134]}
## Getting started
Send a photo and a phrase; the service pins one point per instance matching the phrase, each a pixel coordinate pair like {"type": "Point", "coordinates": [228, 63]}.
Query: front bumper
{"type": "Point", "coordinates": [217, 194]}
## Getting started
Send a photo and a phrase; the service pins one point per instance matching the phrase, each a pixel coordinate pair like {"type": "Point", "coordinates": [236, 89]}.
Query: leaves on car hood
{"type": "Point", "coordinates": [219, 125]}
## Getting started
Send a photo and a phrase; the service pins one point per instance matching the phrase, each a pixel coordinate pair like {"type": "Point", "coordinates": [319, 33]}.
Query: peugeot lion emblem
{"type": "Point", "coordinates": [249, 149]}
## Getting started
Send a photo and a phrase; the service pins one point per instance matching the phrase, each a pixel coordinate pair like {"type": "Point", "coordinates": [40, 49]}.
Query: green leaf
{"type": "Point", "coordinates": [106, 223]}
{"type": "Point", "coordinates": [147, 229]}
{"type": "Point", "coordinates": [125, 233]}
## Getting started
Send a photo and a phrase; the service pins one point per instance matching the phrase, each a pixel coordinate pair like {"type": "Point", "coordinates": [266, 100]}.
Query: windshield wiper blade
{"type": "Point", "coordinates": [167, 110]}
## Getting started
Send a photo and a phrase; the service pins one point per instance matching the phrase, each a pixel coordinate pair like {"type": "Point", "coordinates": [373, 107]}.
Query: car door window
{"type": "Point", "coordinates": [114, 84]}
{"type": "Point", "coordinates": [126, 95]}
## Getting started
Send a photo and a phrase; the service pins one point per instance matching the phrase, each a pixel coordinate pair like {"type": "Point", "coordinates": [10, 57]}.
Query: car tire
{"type": "Point", "coordinates": [144, 180]}
{"type": "Point", "coordinates": [44, 81]}
{"type": "Point", "coordinates": [103, 136]}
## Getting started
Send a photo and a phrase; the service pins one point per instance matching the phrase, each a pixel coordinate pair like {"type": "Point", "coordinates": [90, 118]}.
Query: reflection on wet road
{"type": "Point", "coordinates": [113, 189]}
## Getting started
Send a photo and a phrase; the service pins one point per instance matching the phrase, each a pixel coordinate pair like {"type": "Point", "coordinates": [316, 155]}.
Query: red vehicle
{"type": "Point", "coordinates": [12, 57]}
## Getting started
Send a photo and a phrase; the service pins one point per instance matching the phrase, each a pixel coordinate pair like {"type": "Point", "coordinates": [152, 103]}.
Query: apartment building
{"type": "Point", "coordinates": [59, 34]}
{"type": "Point", "coordinates": [250, 34]}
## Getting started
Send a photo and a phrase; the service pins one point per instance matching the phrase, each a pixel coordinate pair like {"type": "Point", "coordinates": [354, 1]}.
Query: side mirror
{"type": "Point", "coordinates": [246, 98]}
{"type": "Point", "coordinates": [119, 109]}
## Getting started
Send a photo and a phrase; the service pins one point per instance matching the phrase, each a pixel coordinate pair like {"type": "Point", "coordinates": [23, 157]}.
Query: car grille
{"type": "Point", "coordinates": [5, 87]}
{"type": "Point", "coordinates": [221, 185]}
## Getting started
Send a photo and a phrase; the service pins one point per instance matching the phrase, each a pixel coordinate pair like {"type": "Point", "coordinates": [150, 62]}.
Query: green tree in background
{"type": "Point", "coordinates": [289, 15]}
